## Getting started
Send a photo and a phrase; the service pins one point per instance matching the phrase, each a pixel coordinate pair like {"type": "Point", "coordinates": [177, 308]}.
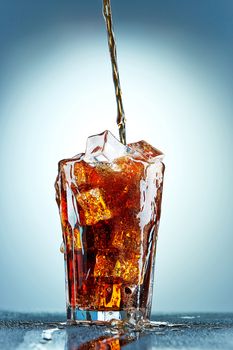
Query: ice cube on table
{"type": "Point", "coordinates": [104, 147]}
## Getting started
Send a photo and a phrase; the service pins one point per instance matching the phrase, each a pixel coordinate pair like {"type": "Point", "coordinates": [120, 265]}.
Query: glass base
{"type": "Point", "coordinates": [75, 315]}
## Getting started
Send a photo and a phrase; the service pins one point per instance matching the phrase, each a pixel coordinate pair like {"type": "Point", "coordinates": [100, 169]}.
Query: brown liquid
{"type": "Point", "coordinates": [115, 72]}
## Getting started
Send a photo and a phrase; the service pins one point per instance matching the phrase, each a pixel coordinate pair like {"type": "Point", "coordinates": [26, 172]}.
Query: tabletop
{"type": "Point", "coordinates": [41, 331]}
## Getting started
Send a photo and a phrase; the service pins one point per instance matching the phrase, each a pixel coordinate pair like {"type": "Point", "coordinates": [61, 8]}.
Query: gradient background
{"type": "Point", "coordinates": [176, 68]}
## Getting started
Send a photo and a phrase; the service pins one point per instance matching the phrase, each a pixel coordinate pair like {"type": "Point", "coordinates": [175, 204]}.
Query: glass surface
{"type": "Point", "coordinates": [110, 202]}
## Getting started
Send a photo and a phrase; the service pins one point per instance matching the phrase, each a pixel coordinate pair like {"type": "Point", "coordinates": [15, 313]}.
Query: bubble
{"type": "Point", "coordinates": [128, 290]}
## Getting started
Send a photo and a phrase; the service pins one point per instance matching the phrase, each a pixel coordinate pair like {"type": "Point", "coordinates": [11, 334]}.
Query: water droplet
{"type": "Point", "coordinates": [46, 335]}
{"type": "Point", "coordinates": [62, 248]}
{"type": "Point", "coordinates": [60, 327]}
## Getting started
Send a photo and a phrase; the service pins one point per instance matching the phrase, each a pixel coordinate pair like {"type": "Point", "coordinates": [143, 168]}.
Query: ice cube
{"type": "Point", "coordinates": [93, 207]}
{"type": "Point", "coordinates": [105, 262]}
{"type": "Point", "coordinates": [104, 148]}
{"type": "Point", "coordinates": [109, 295]}
{"type": "Point", "coordinates": [147, 151]}
{"type": "Point", "coordinates": [126, 236]}
{"type": "Point", "coordinates": [86, 175]}
{"type": "Point", "coordinates": [115, 300]}
{"type": "Point", "coordinates": [127, 269]}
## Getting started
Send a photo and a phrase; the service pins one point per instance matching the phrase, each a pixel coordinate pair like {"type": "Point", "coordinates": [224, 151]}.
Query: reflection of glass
{"type": "Point", "coordinates": [109, 200]}
{"type": "Point", "coordinates": [83, 339]}
{"type": "Point", "coordinates": [103, 343]}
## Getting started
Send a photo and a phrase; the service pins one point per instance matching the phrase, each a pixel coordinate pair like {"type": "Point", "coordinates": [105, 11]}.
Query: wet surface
{"type": "Point", "coordinates": [180, 331]}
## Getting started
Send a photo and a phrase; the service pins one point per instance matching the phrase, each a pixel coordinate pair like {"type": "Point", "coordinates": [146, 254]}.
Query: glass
{"type": "Point", "coordinates": [110, 203]}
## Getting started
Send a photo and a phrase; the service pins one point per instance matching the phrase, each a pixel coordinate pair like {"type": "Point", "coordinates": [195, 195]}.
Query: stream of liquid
{"type": "Point", "coordinates": [115, 72]}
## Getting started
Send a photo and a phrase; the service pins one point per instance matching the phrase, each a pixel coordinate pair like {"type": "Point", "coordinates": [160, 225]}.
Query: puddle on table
{"type": "Point", "coordinates": [44, 332]}
{"type": "Point", "coordinates": [111, 337]}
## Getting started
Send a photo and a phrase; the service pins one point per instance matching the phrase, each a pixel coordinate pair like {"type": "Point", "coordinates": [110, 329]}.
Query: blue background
{"type": "Point", "coordinates": [176, 65]}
